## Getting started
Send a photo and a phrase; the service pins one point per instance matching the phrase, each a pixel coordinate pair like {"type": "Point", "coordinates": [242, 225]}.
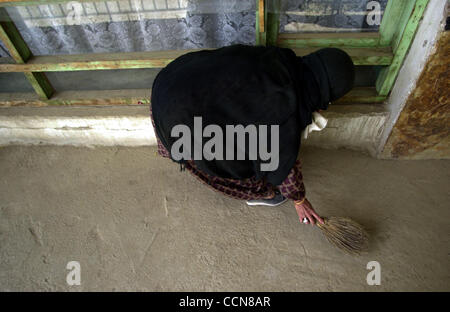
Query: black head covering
{"type": "Point", "coordinates": [323, 76]}
{"type": "Point", "coordinates": [244, 85]}
{"type": "Point", "coordinates": [334, 72]}
{"type": "Point", "coordinates": [340, 71]}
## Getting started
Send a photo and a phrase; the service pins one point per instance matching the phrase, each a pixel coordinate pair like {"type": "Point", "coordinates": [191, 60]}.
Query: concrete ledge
{"type": "Point", "coordinates": [357, 127]}
{"type": "Point", "coordinates": [78, 126]}
{"type": "Point", "coordinates": [351, 126]}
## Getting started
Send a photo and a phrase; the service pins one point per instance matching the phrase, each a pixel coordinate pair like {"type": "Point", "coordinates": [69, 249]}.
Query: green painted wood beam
{"type": "Point", "coordinates": [272, 21]}
{"type": "Point", "coordinates": [390, 24]}
{"type": "Point", "coordinates": [352, 40]}
{"type": "Point", "coordinates": [40, 84]}
{"type": "Point", "coordinates": [77, 98]}
{"type": "Point", "coordinates": [360, 56]}
{"type": "Point", "coordinates": [387, 76]}
{"type": "Point", "coordinates": [159, 59]}
{"type": "Point", "coordinates": [12, 39]}
{"type": "Point", "coordinates": [20, 52]}
{"type": "Point", "coordinates": [361, 95]}
{"type": "Point", "coordinates": [260, 25]}
{"type": "Point", "coordinates": [402, 21]}
{"type": "Point", "coordinates": [96, 61]}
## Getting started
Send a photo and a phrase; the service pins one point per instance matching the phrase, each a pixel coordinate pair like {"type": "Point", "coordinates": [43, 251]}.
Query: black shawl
{"type": "Point", "coordinates": [242, 85]}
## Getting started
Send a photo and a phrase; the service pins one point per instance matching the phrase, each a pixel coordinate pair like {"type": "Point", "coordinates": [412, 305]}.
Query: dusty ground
{"type": "Point", "coordinates": [135, 222]}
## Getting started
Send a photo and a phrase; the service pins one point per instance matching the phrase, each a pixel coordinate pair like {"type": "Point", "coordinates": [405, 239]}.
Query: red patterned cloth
{"type": "Point", "coordinates": [248, 189]}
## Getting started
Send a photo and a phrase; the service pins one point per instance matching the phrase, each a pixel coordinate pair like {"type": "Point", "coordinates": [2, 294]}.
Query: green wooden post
{"type": "Point", "coordinates": [40, 84]}
{"type": "Point", "coordinates": [398, 27]}
{"type": "Point", "coordinates": [260, 25]}
{"type": "Point", "coordinates": [272, 21]}
{"type": "Point", "coordinates": [350, 40]}
{"type": "Point", "coordinates": [20, 52]}
{"type": "Point", "coordinates": [390, 23]}
{"type": "Point", "coordinates": [257, 28]}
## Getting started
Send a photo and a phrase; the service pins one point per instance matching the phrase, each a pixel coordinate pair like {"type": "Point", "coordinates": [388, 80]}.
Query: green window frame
{"type": "Point", "coordinates": [387, 47]}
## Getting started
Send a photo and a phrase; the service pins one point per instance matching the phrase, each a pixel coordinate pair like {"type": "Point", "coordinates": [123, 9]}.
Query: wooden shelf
{"type": "Point", "coordinates": [78, 98]}
{"type": "Point", "coordinates": [341, 39]}
{"type": "Point", "coordinates": [159, 59]}
{"type": "Point", "coordinates": [361, 95]}
{"type": "Point", "coordinates": [95, 61]}
{"type": "Point", "coordinates": [360, 56]}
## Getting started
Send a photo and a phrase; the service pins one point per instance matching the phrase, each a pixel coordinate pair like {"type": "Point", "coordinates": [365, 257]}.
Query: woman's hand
{"type": "Point", "coordinates": [305, 210]}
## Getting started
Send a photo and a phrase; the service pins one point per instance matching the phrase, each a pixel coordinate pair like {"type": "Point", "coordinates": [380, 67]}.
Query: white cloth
{"type": "Point", "coordinates": [318, 123]}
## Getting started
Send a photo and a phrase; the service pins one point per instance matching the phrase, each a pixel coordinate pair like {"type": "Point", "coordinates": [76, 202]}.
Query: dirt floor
{"type": "Point", "coordinates": [135, 222]}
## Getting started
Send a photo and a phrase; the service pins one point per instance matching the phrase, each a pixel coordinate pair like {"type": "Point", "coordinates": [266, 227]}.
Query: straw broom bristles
{"type": "Point", "coordinates": [345, 234]}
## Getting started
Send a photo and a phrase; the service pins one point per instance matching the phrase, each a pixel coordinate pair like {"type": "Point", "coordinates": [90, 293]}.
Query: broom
{"type": "Point", "coordinates": [345, 234]}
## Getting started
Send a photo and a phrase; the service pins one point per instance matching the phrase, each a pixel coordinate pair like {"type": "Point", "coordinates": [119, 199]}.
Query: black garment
{"type": "Point", "coordinates": [242, 85]}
